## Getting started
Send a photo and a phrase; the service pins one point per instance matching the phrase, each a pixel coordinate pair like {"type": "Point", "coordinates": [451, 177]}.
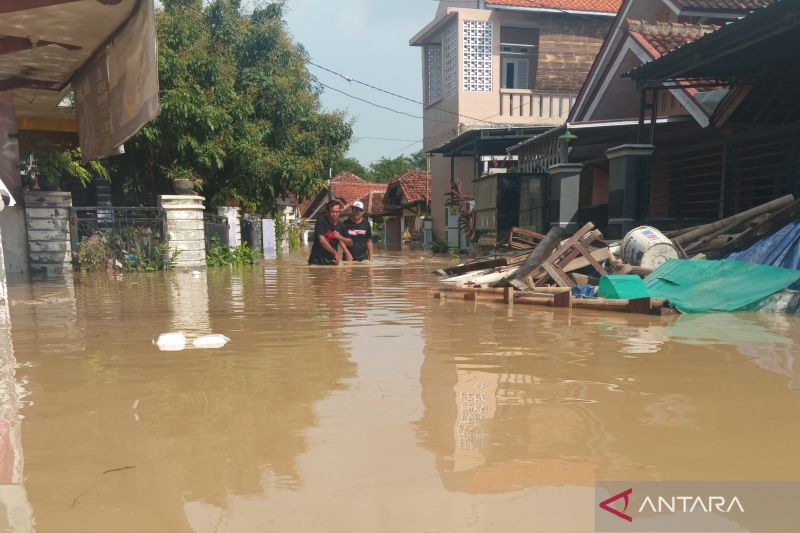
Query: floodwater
{"type": "Point", "coordinates": [350, 400]}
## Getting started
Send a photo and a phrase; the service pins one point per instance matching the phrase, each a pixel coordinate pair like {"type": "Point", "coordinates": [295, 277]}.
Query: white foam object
{"type": "Point", "coordinates": [214, 340]}
{"type": "Point", "coordinates": [171, 342]}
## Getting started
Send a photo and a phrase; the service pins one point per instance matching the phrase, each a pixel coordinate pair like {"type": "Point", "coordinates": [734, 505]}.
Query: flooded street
{"type": "Point", "coordinates": [350, 400]}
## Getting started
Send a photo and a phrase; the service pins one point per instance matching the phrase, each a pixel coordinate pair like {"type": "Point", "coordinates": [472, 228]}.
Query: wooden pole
{"type": "Point", "coordinates": [534, 260]}
{"type": "Point", "coordinates": [702, 231]}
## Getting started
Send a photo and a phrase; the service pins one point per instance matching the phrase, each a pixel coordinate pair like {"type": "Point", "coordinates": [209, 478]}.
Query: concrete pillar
{"type": "Point", "coordinates": [564, 195]}
{"type": "Point", "coordinates": [625, 172]}
{"type": "Point", "coordinates": [270, 245]}
{"type": "Point", "coordinates": [234, 224]}
{"type": "Point", "coordinates": [12, 219]}
{"type": "Point", "coordinates": [47, 219]}
{"type": "Point", "coordinates": [3, 285]}
{"type": "Point", "coordinates": [185, 228]}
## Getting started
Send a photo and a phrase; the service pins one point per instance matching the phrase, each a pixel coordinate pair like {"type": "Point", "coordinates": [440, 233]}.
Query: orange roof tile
{"type": "Point", "coordinates": [723, 5]}
{"type": "Point", "coordinates": [415, 185]}
{"type": "Point", "coordinates": [593, 6]}
{"type": "Point", "coordinates": [658, 38]}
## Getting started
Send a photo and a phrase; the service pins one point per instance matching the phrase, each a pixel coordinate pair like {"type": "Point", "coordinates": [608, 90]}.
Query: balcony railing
{"type": "Point", "coordinates": [526, 105]}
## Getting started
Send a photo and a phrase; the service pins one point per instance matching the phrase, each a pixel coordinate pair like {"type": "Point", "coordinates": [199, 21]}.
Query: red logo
{"type": "Point", "coordinates": [624, 494]}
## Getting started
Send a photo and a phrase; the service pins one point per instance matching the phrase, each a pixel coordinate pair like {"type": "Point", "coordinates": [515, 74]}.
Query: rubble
{"type": "Point", "coordinates": [541, 269]}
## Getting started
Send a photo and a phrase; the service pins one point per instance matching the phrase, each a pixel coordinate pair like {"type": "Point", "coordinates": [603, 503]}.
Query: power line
{"type": "Point", "coordinates": [365, 84]}
{"type": "Point", "coordinates": [374, 104]}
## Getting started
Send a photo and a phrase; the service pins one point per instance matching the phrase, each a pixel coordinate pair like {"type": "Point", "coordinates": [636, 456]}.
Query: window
{"type": "Point", "coordinates": [516, 73]}
{"type": "Point", "coordinates": [433, 71]}
{"type": "Point", "coordinates": [449, 55]}
{"type": "Point", "coordinates": [519, 57]}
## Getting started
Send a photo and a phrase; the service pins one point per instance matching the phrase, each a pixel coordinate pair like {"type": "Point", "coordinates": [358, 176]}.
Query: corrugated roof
{"type": "Point", "coordinates": [658, 38]}
{"type": "Point", "coordinates": [590, 6]}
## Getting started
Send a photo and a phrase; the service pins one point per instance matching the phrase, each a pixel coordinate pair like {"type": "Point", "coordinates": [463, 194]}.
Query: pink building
{"type": "Point", "coordinates": [496, 72]}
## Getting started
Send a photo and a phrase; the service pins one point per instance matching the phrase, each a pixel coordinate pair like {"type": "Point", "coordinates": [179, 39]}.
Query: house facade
{"type": "Point", "coordinates": [405, 205]}
{"type": "Point", "coordinates": [503, 66]}
{"type": "Point", "coordinates": [667, 153]}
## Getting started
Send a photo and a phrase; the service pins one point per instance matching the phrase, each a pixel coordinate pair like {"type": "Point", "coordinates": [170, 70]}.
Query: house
{"type": "Point", "coordinates": [666, 152]}
{"type": "Point", "coordinates": [66, 68]}
{"type": "Point", "coordinates": [405, 204]}
{"type": "Point", "coordinates": [345, 187]}
{"type": "Point", "coordinates": [495, 74]}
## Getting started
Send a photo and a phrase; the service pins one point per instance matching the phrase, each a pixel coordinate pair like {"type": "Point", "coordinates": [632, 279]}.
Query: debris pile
{"type": "Point", "coordinates": [561, 272]}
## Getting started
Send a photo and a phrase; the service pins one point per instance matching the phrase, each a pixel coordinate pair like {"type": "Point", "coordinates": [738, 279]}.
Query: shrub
{"type": "Point", "coordinates": [217, 255]}
{"type": "Point", "coordinates": [94, 253]}
{"type": "Point", "coordinates": [440, 245]}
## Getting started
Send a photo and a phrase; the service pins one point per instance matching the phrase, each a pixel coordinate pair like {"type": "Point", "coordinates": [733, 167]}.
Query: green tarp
{"type": "Point", "coordinates": [622, 287]}
{"type": "Point", "coordinates": [726, 285]}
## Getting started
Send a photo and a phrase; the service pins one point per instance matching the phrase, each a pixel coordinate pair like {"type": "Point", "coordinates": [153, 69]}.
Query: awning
{"type": "Point", "coordinates": [487, 141]}
{"type": "Point", "coordinates": [105, 49]}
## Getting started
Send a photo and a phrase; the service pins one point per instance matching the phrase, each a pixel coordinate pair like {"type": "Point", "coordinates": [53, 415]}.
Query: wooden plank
{"type": "Point", "coordinates": [508, 295]}
{"type": "Point", "coordinates": [639, 305]}
{"type": "Point", "coordinates": [601, 254]}
{"type": "Point", "coordinates": [589, 257]}
{"type": "Point", "coordinates": [559, 277]}
{"type": "Point", "coordinates": [563, 299]}
{"type": "Point", "coordinates": [539, 255]}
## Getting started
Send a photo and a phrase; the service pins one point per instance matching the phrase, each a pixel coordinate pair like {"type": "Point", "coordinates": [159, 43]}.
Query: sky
{"type": "Point", "coordinates": [368, 41]}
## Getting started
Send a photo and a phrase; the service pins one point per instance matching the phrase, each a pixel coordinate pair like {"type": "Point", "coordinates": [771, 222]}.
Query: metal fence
{"type": "Point", "coordinates": [252, 231]}
{"type": "Point", "coordinates": [216, 227]}
{"type": "Point", "coordinates": [146, 223]}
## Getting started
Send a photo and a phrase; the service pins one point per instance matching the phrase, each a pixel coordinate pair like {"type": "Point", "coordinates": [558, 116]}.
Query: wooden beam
{"type": "Point", "coordinates": [10, 6]}
{"type": "Point", "coordinates": [9, 84]}
{"type": "Point", "coordinates": [61, 125]}
{"type": "Point", "coordinates": [10, 45]}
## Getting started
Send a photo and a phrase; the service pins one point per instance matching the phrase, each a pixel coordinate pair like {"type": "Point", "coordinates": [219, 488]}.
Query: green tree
{"type": "Point", "coordinates": [239, 109]}
{"type": "Point", "coordinates": [350, 164]}
{"type": "Point", "coordinates": [418, 160]}
{"type": "Point", "coordinates": [385, 170]}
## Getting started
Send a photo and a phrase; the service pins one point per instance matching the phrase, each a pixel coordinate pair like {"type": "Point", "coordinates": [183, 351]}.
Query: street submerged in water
{"type": "Point", "coordinates": [349, 399]}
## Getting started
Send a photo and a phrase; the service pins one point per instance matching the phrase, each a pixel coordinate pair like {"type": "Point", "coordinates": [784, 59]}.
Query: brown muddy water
{"type": "Point", "coordinates": [350, 400]}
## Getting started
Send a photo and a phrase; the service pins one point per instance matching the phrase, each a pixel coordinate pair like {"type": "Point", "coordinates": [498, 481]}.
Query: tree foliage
{"type": "Point", "coordinates": [385, 169]}
{"type": "Point", "coordinates": [239, 109]}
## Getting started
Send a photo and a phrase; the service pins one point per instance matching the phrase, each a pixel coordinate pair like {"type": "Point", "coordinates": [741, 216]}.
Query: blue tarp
{"type": "Point", "coordinates": [781, 249]}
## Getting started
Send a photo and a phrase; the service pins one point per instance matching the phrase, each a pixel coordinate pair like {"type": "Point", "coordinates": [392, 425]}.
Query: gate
{"type": "Point", "coordinates": [251, 232]}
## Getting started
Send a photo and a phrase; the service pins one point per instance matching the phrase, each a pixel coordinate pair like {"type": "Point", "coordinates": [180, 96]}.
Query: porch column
{"type": "Point", "coordinates": [565, 188]}
{"type": "Point", "coordinates": [3, 287]}
{"type": "Point", "coordinates": [12, 219]}
{"type": "Point", "coordinates": [626, 166]}
{"type": "Point", "coordinates": [234, 224]}
{"type": "Point", "coordinates": [47, 218]}
{"type": "Point", "coordinates": [185, 228]}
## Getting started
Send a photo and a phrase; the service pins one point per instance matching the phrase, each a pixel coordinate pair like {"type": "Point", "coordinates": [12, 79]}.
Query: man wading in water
{"type": "Point", "coordinates": [327, 235]}
{"type": "Point", "coordinates": [358, 229]}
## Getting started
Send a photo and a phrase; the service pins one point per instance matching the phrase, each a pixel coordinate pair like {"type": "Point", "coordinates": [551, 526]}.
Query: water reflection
{"type": "Point", "coordinates": [351, 393]}
{"type": "Point", "coordinates": [543, 398]}
{"type": "Point", "coordinates": [16, 514]}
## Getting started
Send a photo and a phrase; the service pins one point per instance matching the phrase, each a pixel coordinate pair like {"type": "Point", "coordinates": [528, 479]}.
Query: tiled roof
{"type": "Point", "coordinates": [373, 203]}
{"type": "Point", "coordinates": [658, 38]}
{"type": "Point", "coordinates": [415, 185]}
{"type": "Point", "coordinates": [350, 192]}
{"type": "Point", "coordinates": [596, 6]}
{"type": "Point", "coordinates": [723, 5]}
{"type": "Point", "coordinates": [346, 177]}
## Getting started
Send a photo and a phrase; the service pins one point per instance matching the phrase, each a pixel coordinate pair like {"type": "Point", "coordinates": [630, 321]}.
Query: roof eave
{"type": "Point", "coordinates": [501, 7]}
{"type": "Point", "coordinates": [423, 36]}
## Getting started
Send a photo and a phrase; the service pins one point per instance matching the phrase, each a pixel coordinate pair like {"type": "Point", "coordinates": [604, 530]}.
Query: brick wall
{"type": "Point", "coordinates": [567, 48]}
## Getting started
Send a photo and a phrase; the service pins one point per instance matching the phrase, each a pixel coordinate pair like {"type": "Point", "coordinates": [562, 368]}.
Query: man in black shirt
{"type": "Point", "coordinates": [327, 235]}
{"type": "Point", "coordinates": [359, 231]}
